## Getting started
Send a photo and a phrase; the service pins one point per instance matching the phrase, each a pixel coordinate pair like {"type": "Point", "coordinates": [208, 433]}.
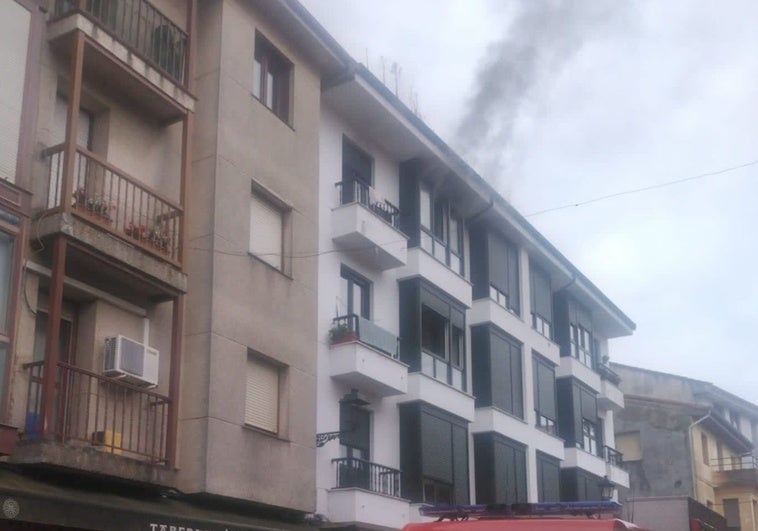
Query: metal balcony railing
{"type": "Point", "coordinates": [357, 473]}
{"type": "Point", "coordinates": [139, 26]}
{"type": "Point", "coordinates": [607, 373]}
{"type": "Point", "coordinates": [737, 462]}
{"type": "Point", "coordinates": [356, 328]}
{"type": "Point", "coordinates": [355, 191]}
{"type": "Point", "coordinates": [613, 456]}
{"type": "Point", "coordinates": [90, 408]}
{"type": "Point", "coordinates": [118, 203]}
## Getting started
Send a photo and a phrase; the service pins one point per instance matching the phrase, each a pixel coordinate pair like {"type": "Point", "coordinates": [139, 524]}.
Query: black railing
{"type": "Point", "coordinates": [736, 462]}
{"type": "Point", "coordinates": [355, 191]}
{"type": "Point", "coordinates": [607, 373]}
{"type": "Point", "coordinates": [138, 25]}
{"type": "Point", "coordinates": [360, 474]}
{"type": "Point", "coordinates": [356, 328]}
{"type": "Point", "coordinates": [613, 456]}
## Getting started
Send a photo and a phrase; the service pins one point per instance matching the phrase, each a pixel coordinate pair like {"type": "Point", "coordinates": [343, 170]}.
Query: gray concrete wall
{"type": "Point", "coordinates": [237, 302]}
{"type": "Point", "coordinates": [665, 468]}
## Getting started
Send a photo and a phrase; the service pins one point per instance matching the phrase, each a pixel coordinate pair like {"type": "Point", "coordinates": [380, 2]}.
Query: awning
{"type": "Point", "coordinates": [25, 499]}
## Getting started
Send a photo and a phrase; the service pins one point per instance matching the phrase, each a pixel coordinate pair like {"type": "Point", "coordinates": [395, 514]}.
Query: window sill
{"type": "Point", "coordinates": [269, 109]}
{"type": "Point", "coordinates": [261, 431]}
{"type": "Point", "coordinates": [506, 413]}
{"type": "Point", "coordinates": [262, 261]}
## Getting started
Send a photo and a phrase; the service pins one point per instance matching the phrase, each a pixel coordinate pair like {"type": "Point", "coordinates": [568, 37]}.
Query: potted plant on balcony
{"type": "Point", "coordinates": [159, 238]}
{"type": "Point", "coordinates": [95, 205]}
{"type": "Point", "coordinates": [340, 332]}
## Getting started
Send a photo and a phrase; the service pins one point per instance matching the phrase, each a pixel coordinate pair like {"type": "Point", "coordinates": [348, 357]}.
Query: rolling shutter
{"type": "Point", "coordinates": [544, 384]}
{"type": "Point", "coordinates": [266, 230]}
{"type": "Point", "coordinates": [14, 39]}
{"type": "Point", "coordinates": [262, 394]}
{"type": "Point", "coordinates": [542, 300]}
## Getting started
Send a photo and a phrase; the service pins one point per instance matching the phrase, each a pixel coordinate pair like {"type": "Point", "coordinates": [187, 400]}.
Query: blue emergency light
{"type": "Point", "coordinates": [520, 510]}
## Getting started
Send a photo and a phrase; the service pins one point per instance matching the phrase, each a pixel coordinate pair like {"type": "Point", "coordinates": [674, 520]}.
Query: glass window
{"type": "Point", "coordinates": [589, 437]}
{"type": "Point", "coordinates": [426, 207]}
{"type": "Point", "coordinates": [6, 269]}
{"type": "Point", "coordinates": [262, 393]}
{"type": "Point", "coordinates": [433, 332]}
{"type": "Point", "coordinates": [271, 78]}
{"type": "Point", "coordinates": [355, 294]}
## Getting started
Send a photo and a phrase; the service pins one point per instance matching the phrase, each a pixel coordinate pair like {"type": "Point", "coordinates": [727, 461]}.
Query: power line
{"type": "Point", "coordinates": [643, 189]}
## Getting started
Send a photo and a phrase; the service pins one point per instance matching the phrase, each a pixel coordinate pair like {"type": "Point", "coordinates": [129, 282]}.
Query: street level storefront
{"type": "Point", "coordinates": [67, 503]}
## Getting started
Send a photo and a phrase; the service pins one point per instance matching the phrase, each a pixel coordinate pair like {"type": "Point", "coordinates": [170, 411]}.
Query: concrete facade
{"type": "Point", "coordinates": [686, 437]}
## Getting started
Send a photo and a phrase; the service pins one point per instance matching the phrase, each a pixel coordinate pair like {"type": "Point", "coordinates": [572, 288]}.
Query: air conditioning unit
{"type": "Point", "coordinates": [131, 361]}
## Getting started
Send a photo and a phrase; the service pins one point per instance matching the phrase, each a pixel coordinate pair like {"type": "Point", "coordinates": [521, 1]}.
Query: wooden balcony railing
{"type": "Point", "coordinates": [103, 412]}
{"type": "Point", "coordinates": [357, 473]}
{"type": "Point", "coordinates": [140, 27]}
{"type": "Point", "coordinates": [122, 205]}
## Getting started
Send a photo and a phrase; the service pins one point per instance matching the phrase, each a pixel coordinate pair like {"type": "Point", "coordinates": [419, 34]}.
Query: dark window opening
{"type": "Point", "coordinates": [433, 332]}
{"type": "Point", "coordinates": [355, 293]}
{"type": "Point", "coordinates": [271, 78]}
{"type": "Point", "coordinates": [441, 230]}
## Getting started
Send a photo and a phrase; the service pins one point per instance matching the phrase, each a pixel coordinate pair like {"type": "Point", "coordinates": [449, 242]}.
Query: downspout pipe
{"type": "Point", "coordinates": [692, 452]}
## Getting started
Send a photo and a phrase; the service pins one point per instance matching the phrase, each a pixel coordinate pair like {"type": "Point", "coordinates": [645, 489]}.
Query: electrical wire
{"type": "Point", "coordinates": [644, 188]}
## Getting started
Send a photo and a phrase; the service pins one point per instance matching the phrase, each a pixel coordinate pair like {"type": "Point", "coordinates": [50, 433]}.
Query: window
{"type": "Point", "coordinates": [441, 230]}
{"type": "Point", "coordinates": [704, 446]}
{"type": "Point", "coordinates": [544, 393]}
{"type": "Point", "coordinates": [14, 39]}
{"type": "Point", "coordinates": [548, 478]}
{"type": "Point", "coordinates": [497, 370]}
{"type": "Point", "coordinates": [589, 437]}
{"type": "Point", "coordinates": [500, 469]}
{"type": "Point", "coordinates": [272, 74]}
{"type": "Point", "coordinates": [541, 296]}
{"type": "Point", "coordinates": [629, 445]}
{"type": "Point", "coordinates": [433, 455]}
{"type": "Point", "coordinates": [732, 513]}
{"type": "Point", "coordinates": [581, 345]}
{"type": "Point", "coordinates": [734, 419]}
{"type": "Point", "coordinates": [355, 293]}
{"type": "Point", "coordinates": [267, 230]}
{"type": "Point", "coordinates": [504, 273]}
{"type": "Point", "coordinates": [356, 174]}
{"type": "Point", "coordinates": [262, 393]}
{"type": "Point", "coordinates": [443, 348]}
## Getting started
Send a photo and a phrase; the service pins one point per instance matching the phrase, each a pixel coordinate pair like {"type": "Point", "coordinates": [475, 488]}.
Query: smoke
{"type": "Point", "coordinates": [540, 40]}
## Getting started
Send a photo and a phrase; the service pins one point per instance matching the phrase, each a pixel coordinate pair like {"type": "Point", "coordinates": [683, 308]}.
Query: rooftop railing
{"type": "Point", "coordinates": [138, 25]}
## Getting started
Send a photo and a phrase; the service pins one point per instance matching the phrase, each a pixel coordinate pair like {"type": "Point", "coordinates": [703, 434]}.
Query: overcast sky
{"type": "Point", "coordinates": [557, 103]}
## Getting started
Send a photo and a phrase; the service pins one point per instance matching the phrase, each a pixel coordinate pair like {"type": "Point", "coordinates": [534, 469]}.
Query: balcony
{"type": "Point", "coordinates": [614, 462]}
{"type": "Point", "coordinates": [100, 424]}
{"type": "Point", "coordinates": [610, 396]}
{"type": "Point", "coordinates": [579, 458]}
{"type": "Point", "coordinates": [424, 265]}
{"type": "Point", "coordinates": [365, 356]}
{"type": "Point", "coordinates": [367, 493]}
{"type": "Point", "coordinates": [367, 226]}
{"type": "Point", "coordinates": [139, 53]}
{"type": "Point", "coordinates": [735, 471]}
{"type": "Point", "coordinates": [146, 225]}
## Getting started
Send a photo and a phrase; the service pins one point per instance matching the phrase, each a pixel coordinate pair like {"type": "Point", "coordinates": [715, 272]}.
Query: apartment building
{"type": "Point", "coordinates": [244, 283]}
{"type": "Point", "coordinates": [686, 437]}
{"type": "Point", "coordinates": [144, 385]}
{"type": "Point", "coordinates": [461, 357]}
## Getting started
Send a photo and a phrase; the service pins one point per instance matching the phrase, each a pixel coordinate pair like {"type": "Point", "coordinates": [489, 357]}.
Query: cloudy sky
{"type": "Point", "coordinates": [559, 103]}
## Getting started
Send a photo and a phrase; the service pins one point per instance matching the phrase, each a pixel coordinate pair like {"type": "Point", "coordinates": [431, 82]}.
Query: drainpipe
{"type": "Point", "coordinates": [692, 453]}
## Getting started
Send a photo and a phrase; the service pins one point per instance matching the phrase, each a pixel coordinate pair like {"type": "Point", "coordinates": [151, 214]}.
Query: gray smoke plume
{"type": "Point", "coordinates": [541, 38]}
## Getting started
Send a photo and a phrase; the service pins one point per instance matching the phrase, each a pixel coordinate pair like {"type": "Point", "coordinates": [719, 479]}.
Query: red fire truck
{"type": "Point", "coordinates": [558, 516]}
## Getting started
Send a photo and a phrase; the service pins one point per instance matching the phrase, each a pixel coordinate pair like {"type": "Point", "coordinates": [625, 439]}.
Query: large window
{"type": "Point", "coordinates": [262, 393]}
{"type": "Point", "coordinates": [548, 478]}
{"type": "Point", "coordinates": [433, 455]}
{"type": "Point", "coordinates": [355, 294]}
{"type": "Point", "coordinates": [541, 296]}
{"type": "Point", "coordinates": [500, 469]}
{"type": "Point", "coordinates": [544, 393]}
{"type": "Point", "coordinates": [443, 348]}
{"type": "Point", "coordinates": [267, 221]}
{"type": "Point", "coordinates": [441, 230]}
{"type": "Point", "coordinates": [589, 437]}
{"type": "Point", "coordinates": [497, 370]}
{"type": "Point", "coordinates": [581, 344]}
{"type": "Point", "coordinates": [504, 273]}
{"type": "Point", "coordinates": [272, 74]}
